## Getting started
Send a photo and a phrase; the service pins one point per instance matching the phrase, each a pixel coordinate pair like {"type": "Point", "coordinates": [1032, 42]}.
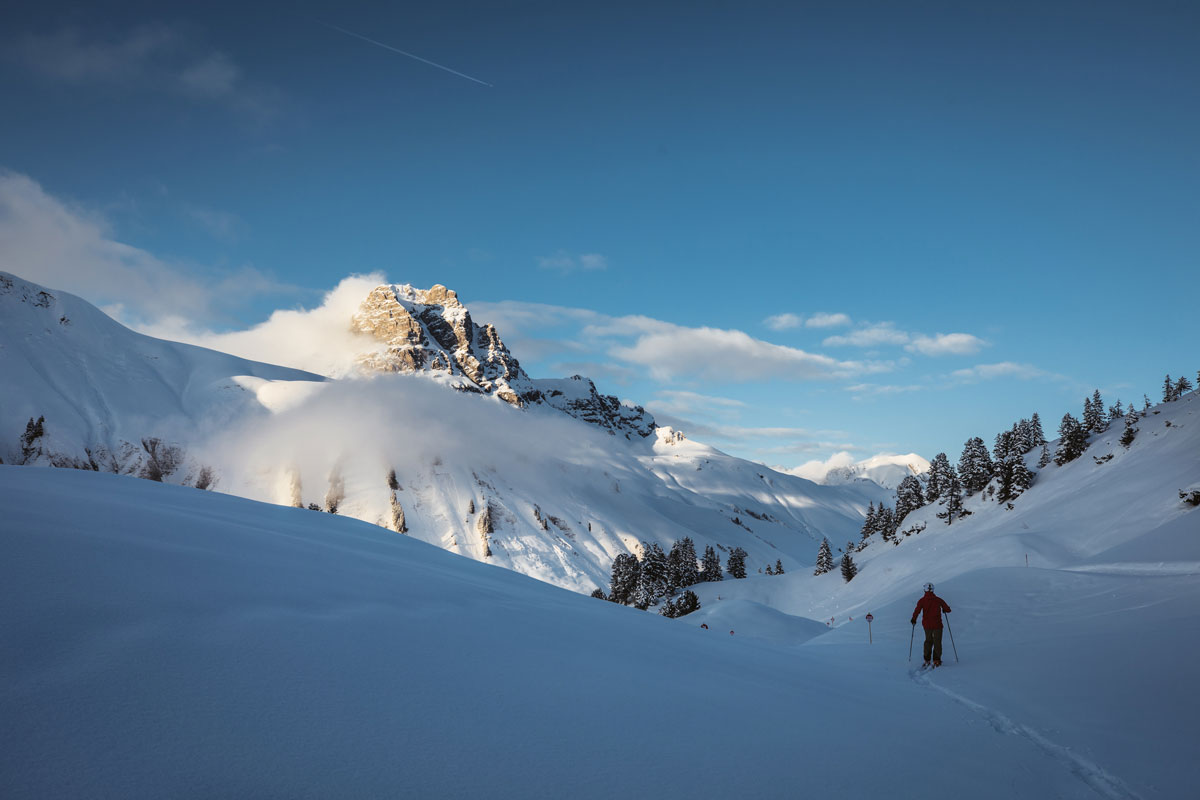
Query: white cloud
{"type": "Point", "coordinates": [566, 263]}
{"type": "Point", "coordinates": [870, 336]}
{"type": "Point", "coordinates": [824, 320]}
{"type": "Point", "coordinates": [63, 247]}
{"type": "Point", "coordinates": [317, 340]}
{"type": "Point", "coordinates": [816, 470]}
{"type": "Point", "coordinates": [679, 402]}
{"type": "Point", "coordinates": [730, 355]}
{"type": "Point", "coordinates": [1004, 369]}
{"type": "Point", "coordinates": [783, 322]}
{"type": "Point", "coordinates": [157, 57]}
{"type": "Point", "coordinates": [865, 389]}
{"type": "Point", "coordinates": [213, 77]}
{"type": "Point", "coordinates": [944, 344]}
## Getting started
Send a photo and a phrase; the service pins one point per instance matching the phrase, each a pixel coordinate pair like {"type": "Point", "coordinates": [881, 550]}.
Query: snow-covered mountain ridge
{"type": "Point", "coordinates": [116, 400]}
{"type": "Point", "coordinates": [523, 485]}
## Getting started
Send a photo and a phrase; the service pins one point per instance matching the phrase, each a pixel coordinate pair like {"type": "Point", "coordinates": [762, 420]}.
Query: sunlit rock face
{"type": "Point", "coordinates": [430, 330]}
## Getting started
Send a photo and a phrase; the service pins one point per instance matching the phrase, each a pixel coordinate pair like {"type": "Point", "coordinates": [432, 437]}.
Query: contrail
{"type": "Point", "coordinates": [404, 53]}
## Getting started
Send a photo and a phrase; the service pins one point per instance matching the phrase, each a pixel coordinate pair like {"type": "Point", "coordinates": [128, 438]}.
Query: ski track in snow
{"type": "Point", "coordinates": [1097, 778]}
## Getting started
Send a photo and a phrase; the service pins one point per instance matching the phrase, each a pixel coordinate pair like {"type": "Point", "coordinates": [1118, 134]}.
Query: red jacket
{"type": "Point", "coordinates": [933, 606]}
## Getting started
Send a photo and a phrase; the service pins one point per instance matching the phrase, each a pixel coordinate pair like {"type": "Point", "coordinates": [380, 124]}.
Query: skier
{"type": "Point", "coordinates": [931, 607]}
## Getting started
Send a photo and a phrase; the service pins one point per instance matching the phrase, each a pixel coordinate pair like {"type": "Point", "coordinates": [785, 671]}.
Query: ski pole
{"type": "Point", "coordinates": [910, 641]}
{"type": "Point", "coordinates": [951, 637]}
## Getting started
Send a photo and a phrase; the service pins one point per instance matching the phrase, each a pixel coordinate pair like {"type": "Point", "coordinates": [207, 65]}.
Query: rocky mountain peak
{"type": "Point", "coordinates": [430, 330]}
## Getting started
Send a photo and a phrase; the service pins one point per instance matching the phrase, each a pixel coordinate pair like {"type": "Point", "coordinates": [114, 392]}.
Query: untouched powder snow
{"type": "Point", "coordinates": [162, 641]}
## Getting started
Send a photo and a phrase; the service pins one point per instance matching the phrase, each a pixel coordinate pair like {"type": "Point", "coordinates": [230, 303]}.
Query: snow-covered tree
{"type": "Point", "coordinates": [1130, 428]}
{"type": "Point", "coordinates": [870, 524]}
{"type": "Point", "coordinates": [681, 564]}
{"type": "Point", "coordinates": [686, 604]}
{"type": "Point", "coordinates": [1036, 437]}
{"type": "Point", "coordinates": [33, 432]}
{"type": "Point", "coordinates": [1146, 407]}
{"type": "Point", "coordinates": [1045, 458]}
{"type": "Point", "coordinates": [778, 566]}
{"type": "Point", "coordinates": [849, 568]}
{"type": "Point", "coordinates": [1072, 440]}
{"type": "Point", "coordinates": [940, 471]}
{"type": "Point", "coordinates": [824, 558]}
{"type": "Point", "coordinates": [908, 498]}
{"type": "Point", "coordinates": [954, 503]}
{"type": "Point", "coordinates": [471, 506]}
{"type": "Point", "coordinates": [736, 564]}
{"type": "Point", "coordinates": [710, 566]}
{"type": "Point", "coordinates": [652, 584]}
{"type": "Point", "coordinates": [886, 521]}
{"type": "Point", "coordinates": [1093, 413]}
{"type": "Point", "coordinates": [626, 572]}
{"type": "Point", "coordinates": [1115, 412]}
{"type": "Point", "coordinates": [974, 466]}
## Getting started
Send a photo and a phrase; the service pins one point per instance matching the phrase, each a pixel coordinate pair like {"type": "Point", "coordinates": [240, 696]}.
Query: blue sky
{"type": "Point", "coordinates": [993, 207]}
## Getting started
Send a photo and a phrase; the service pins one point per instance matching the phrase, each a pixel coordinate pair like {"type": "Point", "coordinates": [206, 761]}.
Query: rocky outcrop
{"type": "Point", "coordinates": [430, 330]}
{"type": "Point", "coordinates": [578, 397]}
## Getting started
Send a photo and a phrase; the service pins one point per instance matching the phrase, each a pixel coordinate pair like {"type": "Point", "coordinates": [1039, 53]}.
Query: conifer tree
{"type": "Point", "coordinates": [626, 572]}
{"type": "Point", "coordinates": [687, 603]}
{"type": "Point", "coordinates": [908, 498]}
{"type": "Point", "coordinates": [681, 564]}
{"type": "Point", "coordinates": [1045, 457]}
{"type": "Point", "coordinates": [1182, 386]}
{"type": "Point", "coordinates": [1168, 389]}
{"type": "Point", "coordinates": [778, 566]}
{"type": "Point", "coordinates": [1130, 428]}
{"type": "Point", "coordinates": [710, 566]}
{"type": "Point", "coordinates": [736, 565]}
{"type": "Point", "coordinates": [1036, 437]}
{"type": "Point", "coordinates": [1072, 440]}
{"type": "Point", "coordinates": [869, 525]}
{"type": "Point", "coordinates": [652, 584]}
{"type": "Point", "coordinates": [954, 504]}
{"type": "Point", "coordinates": [939, 476]}
{"type": "Point", "coordinates": [1093, 413]}
{"type": "Point", "coordinates": [824, 558]}
{"type": "Point", "coordinates": [886, 522]}
{"type": "Point", "coordinates": [1115, 412]}
{"type": "Point", "coordinates": [1146, 407]}
{"type": "Point", "coordinates": [975, 466]}
{"type": "Point", "coordinates": [849, 568]}
{"type": "Point", "coordinates": [599, 594]}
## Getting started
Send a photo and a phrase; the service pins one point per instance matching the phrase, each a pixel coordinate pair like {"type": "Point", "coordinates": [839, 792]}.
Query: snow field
{"type": "Point", "coordinates": [162, 641]}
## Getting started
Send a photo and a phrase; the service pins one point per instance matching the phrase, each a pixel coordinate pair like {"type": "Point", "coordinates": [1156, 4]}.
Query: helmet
{"type": "Point", "coordinates": [929, 587]}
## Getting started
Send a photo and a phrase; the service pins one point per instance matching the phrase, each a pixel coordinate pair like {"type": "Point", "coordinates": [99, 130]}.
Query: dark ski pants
{"type": "Point", "coordinates": [933, 643]}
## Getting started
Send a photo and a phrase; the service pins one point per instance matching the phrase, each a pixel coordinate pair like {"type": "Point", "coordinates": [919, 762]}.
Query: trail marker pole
{"type": "Point", "coordinates": [870, 639]}
{"type": "Point", "coordinates": [951, 637]}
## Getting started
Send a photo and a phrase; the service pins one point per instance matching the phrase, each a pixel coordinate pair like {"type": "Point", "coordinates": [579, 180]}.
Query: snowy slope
{"type": "Point", "coordinates": [103, 388]}
{"type": "Point", "coordinates": [569, 478]}
{"type": "Point", "coordinates": [161, 641]}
